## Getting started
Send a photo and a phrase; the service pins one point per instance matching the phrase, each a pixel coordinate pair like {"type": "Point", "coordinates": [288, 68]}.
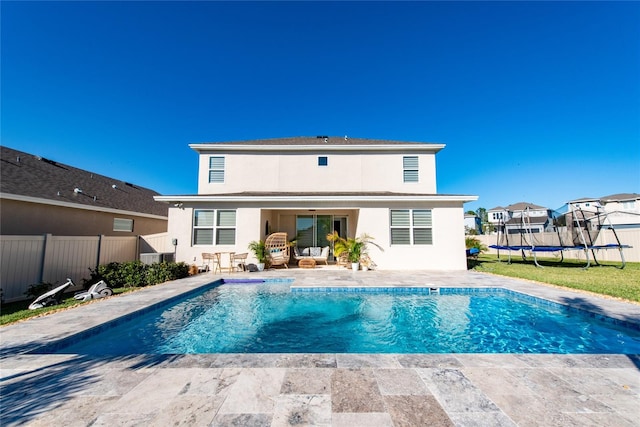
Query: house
{"type": "Point", "coordinates": [622, 209]}
{"type": "Point", "coordinates": [521, 217]}
{"type": "Point", "coordinates": [311, 186]}
{"type": "Point", "coordinates": [472, 224]}
{"type": "Point", "coordinates": [41, 196]}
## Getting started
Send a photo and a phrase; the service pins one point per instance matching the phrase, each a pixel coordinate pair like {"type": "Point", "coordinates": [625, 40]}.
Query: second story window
{"type": "Point", "coordinates": [216, 170]}
{"type": "Point", "coordinates": [323, 161]}
{"type": "Point", "coordinates": [629, 205]}
{"type": "Point", "coordinates": [410, 168]}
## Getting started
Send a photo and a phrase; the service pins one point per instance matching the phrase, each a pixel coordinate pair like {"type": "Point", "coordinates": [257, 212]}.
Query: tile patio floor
{"type": "Point", "coordinates": [314, 389]}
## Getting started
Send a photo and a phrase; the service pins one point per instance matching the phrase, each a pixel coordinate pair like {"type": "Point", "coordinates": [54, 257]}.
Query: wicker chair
{"type": "Point", "coordinates": [278, 249]}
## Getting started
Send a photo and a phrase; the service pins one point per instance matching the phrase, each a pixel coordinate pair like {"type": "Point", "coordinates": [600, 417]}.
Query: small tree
{"type": "Point", "coordinates": [354, 247]}
{"type": "Point", "coordinates": [259, 250]}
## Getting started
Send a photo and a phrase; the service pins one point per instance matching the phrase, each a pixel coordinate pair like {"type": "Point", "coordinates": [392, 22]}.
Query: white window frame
{"type": "Point", "coordinates": [410, 169]}
{"type": "Point", "coordinates": [216, 227]}
{"type": "Point", "coordinates": [216, 169]}
{"type": "Point", "coordinates": [411, 226]}
{"type": "Point", "coordinates": [124, 225]}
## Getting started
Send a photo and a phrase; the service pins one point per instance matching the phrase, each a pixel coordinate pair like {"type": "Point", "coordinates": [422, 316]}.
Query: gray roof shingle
{"type": "Point", "coordinates": [24, 174]}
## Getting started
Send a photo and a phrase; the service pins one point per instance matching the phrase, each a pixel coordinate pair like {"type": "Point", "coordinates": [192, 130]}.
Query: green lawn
{"type": "Point", "coordinates": [12, 312]}
{"type": "Point", "coordinates": [605, 279]}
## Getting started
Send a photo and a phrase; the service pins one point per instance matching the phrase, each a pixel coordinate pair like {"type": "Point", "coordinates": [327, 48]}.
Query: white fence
{"type": "Point", "coordinates": [627, 237]}
{"type": "Point", "coordinates": [29, 260]}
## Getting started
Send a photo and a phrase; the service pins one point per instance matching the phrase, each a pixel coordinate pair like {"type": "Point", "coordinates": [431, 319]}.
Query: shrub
{"type": "Point", "coordinates": [137, 274]}
{"type": "Point", "coordinates": [473, 242]}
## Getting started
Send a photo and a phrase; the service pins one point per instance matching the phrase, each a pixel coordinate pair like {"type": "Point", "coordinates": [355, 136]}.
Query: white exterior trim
{"type": "Point", "coordinates": [317, 198]}
{"type": "Point", "coordinates": [415, 147]}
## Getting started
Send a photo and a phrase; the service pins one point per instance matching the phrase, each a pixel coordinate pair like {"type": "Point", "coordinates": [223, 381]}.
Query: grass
{"type": "Point", "coordinates": [605, 279]}
{"type": "Point", "coordinates": [16, 311]}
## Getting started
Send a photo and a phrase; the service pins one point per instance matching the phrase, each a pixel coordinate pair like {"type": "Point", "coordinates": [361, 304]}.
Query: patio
{"type": "Point", "coordinates": [314, 389]}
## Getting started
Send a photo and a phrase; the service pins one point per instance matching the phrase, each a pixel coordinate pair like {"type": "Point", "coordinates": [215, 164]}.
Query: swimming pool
{"type": "Point", "coordinates": [271, 318]}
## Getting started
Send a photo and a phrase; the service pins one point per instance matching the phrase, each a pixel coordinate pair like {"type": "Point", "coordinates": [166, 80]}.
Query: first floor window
{"type": "Point", "coordinates": [212, 226]}
{"type": "Point", "coordinates": [411, 227]}
{"type": "Point", "coordinates": [122, 224]}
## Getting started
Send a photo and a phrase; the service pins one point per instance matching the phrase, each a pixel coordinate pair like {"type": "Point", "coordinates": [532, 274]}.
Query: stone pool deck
{"type": "Point", "coordinates": [314, 389]}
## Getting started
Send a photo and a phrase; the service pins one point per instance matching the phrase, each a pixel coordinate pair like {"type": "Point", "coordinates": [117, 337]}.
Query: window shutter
{"type": "Point", "coordinates": [203, 219]}
{"type": "Point", "coordinates": [226, 218]}
{"type": "Point", "coordinates": [422, 218]}
{"type": "Point", "coordinates": [400, 236]}
{"type": "Point", "coordinates": [422, 236]}
{"type": "Point", "coordinates": [400, 218]}
{"type": "Point", "coordinates": [203, 236]}
{"type": "Point", "coordinates": [226, 236]}
{"type": "Point", "coordinates": [216, 163]}
{"type": "Point", "coordinates": [410, 162]}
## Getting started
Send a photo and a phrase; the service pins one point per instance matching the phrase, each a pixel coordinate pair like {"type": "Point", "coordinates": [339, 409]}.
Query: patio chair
{"type": "Point", "coordinates": [277, 248]}
{"type": "Point", "coordinates": [239, 261]}
{"type": "Point", "coordinates": [211, 261]}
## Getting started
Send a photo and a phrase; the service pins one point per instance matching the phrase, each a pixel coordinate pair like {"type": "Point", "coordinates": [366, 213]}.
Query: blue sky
{"type": "Point", "coordinates": [537, 102]}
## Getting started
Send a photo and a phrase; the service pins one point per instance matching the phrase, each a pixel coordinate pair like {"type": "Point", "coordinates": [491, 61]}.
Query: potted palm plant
{"type": "Point", "coordinates": [260, 252]}
{"type": "Point", "coordinates": [354, 247]}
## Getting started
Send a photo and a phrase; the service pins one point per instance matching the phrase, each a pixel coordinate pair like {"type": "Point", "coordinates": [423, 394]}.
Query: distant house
{"type": "Point", "coordinates": [311, 186]}
{"type": "Point", "coordinates": [622, 209]}
{"type": "Point", "coordinates": [520, 217]}
{"type": "Point", "coordinates": [472, 224]}
{"type": "Point", "coordinates": [40, 196]}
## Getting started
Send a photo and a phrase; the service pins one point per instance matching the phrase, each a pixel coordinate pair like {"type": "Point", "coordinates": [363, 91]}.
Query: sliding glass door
{"type": "Point", "coordinates": [312, 230]}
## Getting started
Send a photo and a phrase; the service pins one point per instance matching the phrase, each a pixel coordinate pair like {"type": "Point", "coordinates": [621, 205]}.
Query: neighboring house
{"type": "Point", "coordinates": [521, 217]}
{"type": "Point", "coordinates": [311, 186]}
{"type": "Point", "coordinates": [622, 210]}
{"type": "Point", "coordinates": [472, 224]}
{"type": "Point", "coordinates": [40, 196]}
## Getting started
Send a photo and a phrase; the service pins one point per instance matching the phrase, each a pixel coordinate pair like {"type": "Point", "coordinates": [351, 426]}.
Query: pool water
{"type": "Point", "coordinates": [269, 318]}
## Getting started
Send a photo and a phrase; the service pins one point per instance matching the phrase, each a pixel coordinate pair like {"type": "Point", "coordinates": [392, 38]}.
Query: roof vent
{"type": "Point", "coordinates": [114, 186]}
{"type": "Point", "coordinates": [18, 159]}
{"type": "Point", "coordinates": [346, 137]}
{"type": "Point", "coordinates": [77, 190]}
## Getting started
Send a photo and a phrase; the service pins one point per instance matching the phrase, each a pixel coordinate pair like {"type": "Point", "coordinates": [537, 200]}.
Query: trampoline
{"type": "Point", "coordinates": [576, 229]}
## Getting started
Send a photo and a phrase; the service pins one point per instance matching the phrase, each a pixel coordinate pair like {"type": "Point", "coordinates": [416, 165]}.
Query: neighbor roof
{"type": "Point", "coordinates": [620, 197]}
{"type": "Point", "coordinates": [521, 206]}
{"type": "Point", "coordinates": [26, 175]}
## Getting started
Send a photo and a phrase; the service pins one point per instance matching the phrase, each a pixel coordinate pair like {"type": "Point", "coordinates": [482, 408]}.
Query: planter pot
{"type": "Point", "coordinates": [261, 266]}
{"type": "Point", "coordinates": [355, 266]}
{"type": "Point", "coordinates": [365, 268]}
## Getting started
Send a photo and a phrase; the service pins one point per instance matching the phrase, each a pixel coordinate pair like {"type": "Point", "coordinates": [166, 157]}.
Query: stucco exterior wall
{"type": "Point", "coordinates": [299, 172]}
{"type": "Point", "coordinates": [25, 218]}
{"type": "Point", "coordinates": [446, 253]}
